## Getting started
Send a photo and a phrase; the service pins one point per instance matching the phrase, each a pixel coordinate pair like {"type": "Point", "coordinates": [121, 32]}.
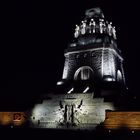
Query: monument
{"type": "Point", "coordinates": [93, 78]}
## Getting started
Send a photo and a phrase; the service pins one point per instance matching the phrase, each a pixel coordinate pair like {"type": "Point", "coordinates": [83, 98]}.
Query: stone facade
{"type": "Point", "coordinates": [101, 61]}
{"type": "Point", "coordinates": [71, 111]}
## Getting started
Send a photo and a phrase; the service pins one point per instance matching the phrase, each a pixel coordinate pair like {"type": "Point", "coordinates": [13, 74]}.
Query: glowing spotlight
{"type": "Point", "coordinates": [70, 90]}
{"type": "Point", "coordinates": [87, 88]}
{"type": "Point", "coordinates": [60, 83]}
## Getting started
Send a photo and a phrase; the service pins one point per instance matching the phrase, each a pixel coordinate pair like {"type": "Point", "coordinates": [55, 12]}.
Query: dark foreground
{"type": "Point", "coordinates": [43, 134]}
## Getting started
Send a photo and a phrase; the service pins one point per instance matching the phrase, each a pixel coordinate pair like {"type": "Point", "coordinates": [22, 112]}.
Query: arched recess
{"type": "Point", "coordinates": [84, 73]}
{"type": "Point", "coordinates": [119, 76]}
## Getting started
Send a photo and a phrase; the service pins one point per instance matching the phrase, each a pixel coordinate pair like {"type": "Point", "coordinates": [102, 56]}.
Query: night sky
{"type": "Point", "coordinates": [38, 32]}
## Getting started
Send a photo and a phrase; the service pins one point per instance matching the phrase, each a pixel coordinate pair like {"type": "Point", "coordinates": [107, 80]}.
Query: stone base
{"type": "Point", "coordinates": [70, 111]}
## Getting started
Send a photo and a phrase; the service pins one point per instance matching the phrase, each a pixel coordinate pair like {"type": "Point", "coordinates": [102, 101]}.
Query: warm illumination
{"type": "Point", "coordinates": [122, 120]}
{"type": "Point", "coordinates": [12, 118]}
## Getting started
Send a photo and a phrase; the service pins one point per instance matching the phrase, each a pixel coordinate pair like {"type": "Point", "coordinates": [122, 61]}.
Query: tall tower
{"type": "Point", "coordinates": [92, 63]}
{"type": "Point", "coordinates": [93, 56]}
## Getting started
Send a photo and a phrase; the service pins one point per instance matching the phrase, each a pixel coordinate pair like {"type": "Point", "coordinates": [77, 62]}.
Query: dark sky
{"type": "Point", "coordinates": [37, 33]}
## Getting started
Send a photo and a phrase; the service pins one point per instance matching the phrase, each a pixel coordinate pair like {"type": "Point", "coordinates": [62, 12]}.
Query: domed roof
{"type": "Point", "coordinates": [94, 12]}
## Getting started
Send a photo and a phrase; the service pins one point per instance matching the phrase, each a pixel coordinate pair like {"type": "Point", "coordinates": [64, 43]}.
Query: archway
{"type": "Point", "coordinates": [83, 73]}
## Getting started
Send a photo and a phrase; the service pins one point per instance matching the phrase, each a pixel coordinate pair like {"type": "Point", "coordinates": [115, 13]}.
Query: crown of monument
{"type": "Point", "coordinates": [94, 23]}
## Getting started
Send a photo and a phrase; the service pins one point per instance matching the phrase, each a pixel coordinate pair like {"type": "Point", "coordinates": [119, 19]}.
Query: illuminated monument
{"type": "Point", "coordinates": [93, 55]}
{"type": "Point", "coordinates": [92, 80]}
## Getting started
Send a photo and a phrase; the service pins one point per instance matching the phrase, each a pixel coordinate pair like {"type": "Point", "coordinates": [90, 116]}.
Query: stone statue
{"type": "Point", "coordinates": [83, 27]}
{"type": "Point", "coordinates": [77, 31]}
{"type": "Point", "coordinates": [92, 25]}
